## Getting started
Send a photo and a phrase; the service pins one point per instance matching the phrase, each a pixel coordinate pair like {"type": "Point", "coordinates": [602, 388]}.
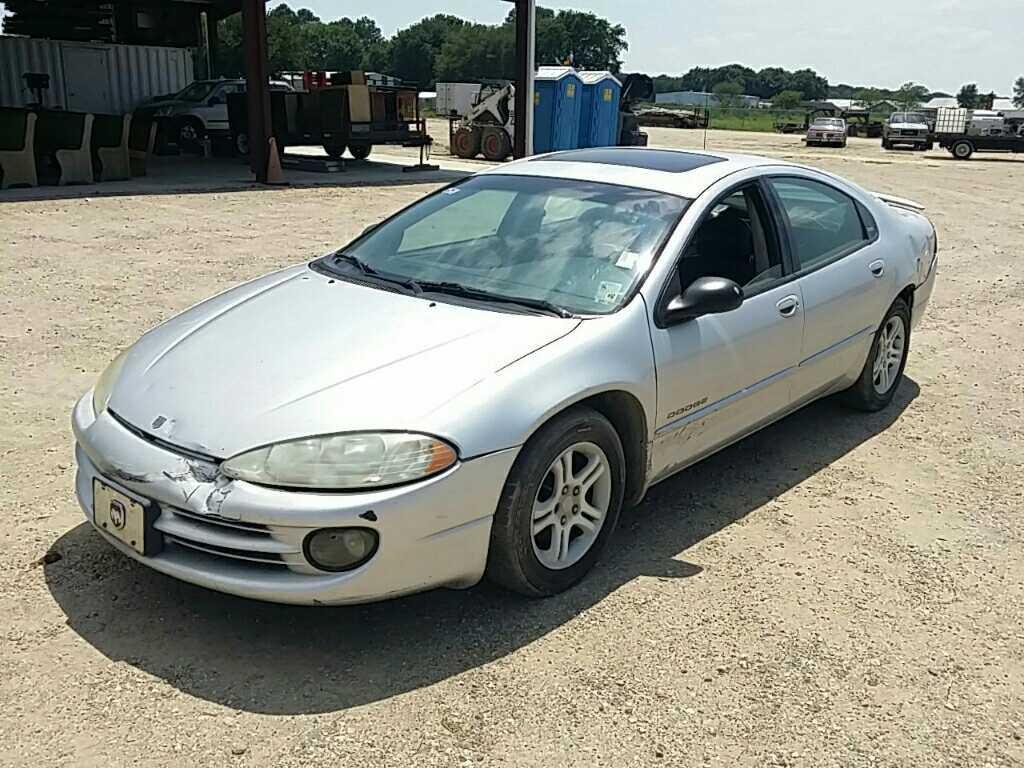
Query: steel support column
{"type": "Point", "coordinates": [525, 38]}
{"type": "Point", "coordinates": [257, 70]}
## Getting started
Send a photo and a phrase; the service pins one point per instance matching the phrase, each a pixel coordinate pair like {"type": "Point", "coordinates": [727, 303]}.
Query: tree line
{"type": "Point", "coordinates": [438, 48]}
{"type": "Point", "coordinates": [788, 90]}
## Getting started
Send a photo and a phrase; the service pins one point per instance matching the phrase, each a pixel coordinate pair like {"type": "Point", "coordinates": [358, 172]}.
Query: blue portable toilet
{"type": "Point", "coordinates": [556, 109]}
{"type": "Point", "coordinates": [599, 109]}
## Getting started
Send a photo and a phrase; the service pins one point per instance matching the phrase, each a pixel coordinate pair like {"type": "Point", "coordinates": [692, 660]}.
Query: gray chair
{"type": "Point", "coordinates": [17, 148]}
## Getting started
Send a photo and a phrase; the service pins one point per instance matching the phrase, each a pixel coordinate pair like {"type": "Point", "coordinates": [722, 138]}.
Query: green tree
{"type": "Point", "coordinates": [477, 51]}
{"type": "Point", "coordinates": [968, 96]}
{"type": "Point", "coordinates": [868, 96]}
{"type": "Point", "coordinates": [728, 93]}
{"type": "Point", "coordinates": [1018, 93]}
{"type": "Point", "coordinates": [787, 100]}
{"type": "Point", "coordinates": [585, 39]}
{"type": "Point", "coordinates": [911, 95]}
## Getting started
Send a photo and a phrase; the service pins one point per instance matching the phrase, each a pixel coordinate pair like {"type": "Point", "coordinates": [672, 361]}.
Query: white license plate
{"type": "Point", "coordinates": [121, 516]}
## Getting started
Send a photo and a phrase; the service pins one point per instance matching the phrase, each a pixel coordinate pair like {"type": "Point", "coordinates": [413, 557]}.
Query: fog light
{"type": "Point", "coordinates": [340, 549]}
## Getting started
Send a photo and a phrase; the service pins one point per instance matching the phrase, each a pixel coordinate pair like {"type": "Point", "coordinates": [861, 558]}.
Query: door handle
{"type": "Point", "coordinates": [788, 306]}
{"type": "Point", "coordinates": [877, 268]}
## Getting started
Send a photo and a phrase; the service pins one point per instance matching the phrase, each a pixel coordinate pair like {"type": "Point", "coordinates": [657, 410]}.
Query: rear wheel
{"type": "Point", "coordinates": [360, 151]}
{"type": "Point", "coordinates": [962, 150]}
{"type": "Point", "coordinates": [334, 151]}
{"type": "Point", "coordinates": [559, 506]}
{"type": "Point", "coordinates": [883, 371]}
{"type": "Point", "coordinates": [496, 144]}
{"type": "Point", "coordinates": [466, 143]}
{"type": "Point", "coordinates": [242, 144]}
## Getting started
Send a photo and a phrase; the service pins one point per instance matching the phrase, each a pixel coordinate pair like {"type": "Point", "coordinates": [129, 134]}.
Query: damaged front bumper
{"type": "Point", "coordinates": [247, 539]}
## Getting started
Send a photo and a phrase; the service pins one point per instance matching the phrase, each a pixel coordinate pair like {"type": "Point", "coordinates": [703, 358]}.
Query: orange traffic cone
{"type": "Point", "coordinates": [274, 173]}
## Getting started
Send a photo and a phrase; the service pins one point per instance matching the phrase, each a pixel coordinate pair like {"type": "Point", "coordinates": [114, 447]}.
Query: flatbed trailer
{"type": "Point", "coordinates": [963, 146]}
{"type": "Point", "coordinates": [963, 132]}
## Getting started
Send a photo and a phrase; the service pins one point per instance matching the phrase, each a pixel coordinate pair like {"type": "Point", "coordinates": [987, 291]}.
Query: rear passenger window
{"type": "Point", "coordinates": [823, 222]}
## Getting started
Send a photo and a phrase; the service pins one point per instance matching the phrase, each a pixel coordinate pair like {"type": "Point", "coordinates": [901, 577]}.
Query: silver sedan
{"type": "Point", "coordinates": [477, 385]}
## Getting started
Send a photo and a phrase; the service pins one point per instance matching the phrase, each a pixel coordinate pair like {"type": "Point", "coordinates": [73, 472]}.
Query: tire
{"type": "Point", "coordinates": [929, 146]}
{"type": "Point", "coordinates": [520, 559]}
{"type": "Point", "coordinates": [241, 144]}
{"type": "Point", "coordinates": [466, 143]}
{"type": "Point", "coordinates": [360, 151]}
{"type": "Point", "coordinates": [886, 144]}
{"type": "Point", "coordinates": [190, 134]}
{"type": "Point", "coordinates": [496, 145]}
{"type": "Point", "coordinates": [334, 151]}
{"type": "Point", "coordinates": [866, 394]}
{"type": "Point", "coordinates": [962, 150]}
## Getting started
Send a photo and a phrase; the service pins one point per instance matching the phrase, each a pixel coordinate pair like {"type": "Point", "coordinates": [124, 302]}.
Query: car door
{"type": "Point", "coordinates": [843, 276]}
{"type": "Point", "coordinates": [720, 376]}
{"type": "Point", "coordinates": [214, 111]}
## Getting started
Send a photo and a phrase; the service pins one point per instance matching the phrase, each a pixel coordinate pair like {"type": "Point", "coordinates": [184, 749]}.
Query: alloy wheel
{"type": "Point", "coordinates": [571, 506]}
{"type": "Point", "coordinates": [889, 357]}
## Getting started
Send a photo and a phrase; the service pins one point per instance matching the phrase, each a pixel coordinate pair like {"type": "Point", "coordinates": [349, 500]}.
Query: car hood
{"type": "Point", "coordinates": [297, 353]}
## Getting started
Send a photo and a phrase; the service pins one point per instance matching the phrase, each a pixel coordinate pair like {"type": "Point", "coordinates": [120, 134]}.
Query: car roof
{"type": "Point", "coordinates": [686, 173]}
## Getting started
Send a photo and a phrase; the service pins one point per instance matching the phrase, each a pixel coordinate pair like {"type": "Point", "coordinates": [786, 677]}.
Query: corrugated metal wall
{"type": "Point", "coordinates": [135, 72]}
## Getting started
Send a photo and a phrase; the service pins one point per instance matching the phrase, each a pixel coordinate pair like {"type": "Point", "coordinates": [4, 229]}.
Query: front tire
{"type": "Point", "coordinates": [360, 151]}
{"type": "Point", "coordinates": [559, 506]}
{"type": "Point", "coordinates": [883, 370]}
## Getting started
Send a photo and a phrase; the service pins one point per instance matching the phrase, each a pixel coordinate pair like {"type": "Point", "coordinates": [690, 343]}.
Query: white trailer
{"type": "Point", "coordinates": [456, 99]}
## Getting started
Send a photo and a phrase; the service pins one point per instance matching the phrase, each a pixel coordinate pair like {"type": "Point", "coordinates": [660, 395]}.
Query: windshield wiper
{"type": "Point", "coordinates": [369, 271]}
{"type": "Point", "coordinates": [457, 289]}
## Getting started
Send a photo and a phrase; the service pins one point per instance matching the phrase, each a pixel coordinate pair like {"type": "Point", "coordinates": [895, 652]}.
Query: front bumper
{"type": "Point", "coordinates": [246, 539]}
{"type": "Point", "coordinates": [828, 138]}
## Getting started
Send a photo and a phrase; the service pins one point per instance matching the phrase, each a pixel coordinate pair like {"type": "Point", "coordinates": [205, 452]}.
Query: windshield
{"type": "Point", "coordinates": [580, 246]}
{"type": "Point", "coordinates": [907, 117]}
{"type": "Point", "coordinates": [828, 122]}
{"type": "Point", "coordinates": [195, 91]}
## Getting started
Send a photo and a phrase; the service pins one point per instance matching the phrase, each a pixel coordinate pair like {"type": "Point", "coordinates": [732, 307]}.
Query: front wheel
{"type": "Point", "coordinates": [559, 506]}
{"type": "Point", "coordinates": [883, 371]}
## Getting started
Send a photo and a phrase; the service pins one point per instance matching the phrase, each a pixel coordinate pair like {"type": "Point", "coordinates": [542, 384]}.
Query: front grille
{"type": "Point", "coordinates": [223, 538]}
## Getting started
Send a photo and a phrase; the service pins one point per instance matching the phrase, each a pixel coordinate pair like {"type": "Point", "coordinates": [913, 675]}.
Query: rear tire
{"type": "Point", "coordinates": [360, 151]}
{"type": "Point", "coordinates": [519, 558]}
{"type": "Point", "coordinates": [875, 388]}
{"type": "Point", "coordinates": [466, 143]}
{"type": "Point", "coordinates": [496, 144]}
{"type": "Point", "coordinates": [334, 151]}
{"type": "Point", "coordinates": [962, 150]}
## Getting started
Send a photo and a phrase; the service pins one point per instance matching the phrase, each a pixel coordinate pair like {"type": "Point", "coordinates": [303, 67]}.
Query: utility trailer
{"type": "Point", "coordinates": [964, 132]}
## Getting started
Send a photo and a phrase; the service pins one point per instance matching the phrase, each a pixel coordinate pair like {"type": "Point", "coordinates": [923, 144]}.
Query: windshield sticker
{"type": "Point", "coordinates": [609, 292]}
{"type": "Point", "coordinates": [628, 260]}
{"type": "Point", "coordinates": [451, 191]}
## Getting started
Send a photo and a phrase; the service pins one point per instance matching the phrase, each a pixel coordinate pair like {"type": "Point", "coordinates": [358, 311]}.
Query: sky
{"type": "Point", "coordinates": [939, 43]}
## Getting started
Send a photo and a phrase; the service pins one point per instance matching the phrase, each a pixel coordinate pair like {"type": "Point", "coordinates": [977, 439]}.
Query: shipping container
{"type": "Point", "coordinates": [556, 109]}
{"type": "Point", "coordinates": [599, 109]}
{"type": "Point", "coordinates": [91, 77]}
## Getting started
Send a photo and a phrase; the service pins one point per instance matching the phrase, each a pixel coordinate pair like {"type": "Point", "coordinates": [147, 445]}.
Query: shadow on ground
{"type": "Point", "coordinates": [288, 660]}
{"type": "Point", "coordinates": [192, 175]}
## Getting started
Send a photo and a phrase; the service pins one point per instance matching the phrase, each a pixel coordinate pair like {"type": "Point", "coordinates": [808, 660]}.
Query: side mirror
{"type": "Point", "coordinates": [704, 296]}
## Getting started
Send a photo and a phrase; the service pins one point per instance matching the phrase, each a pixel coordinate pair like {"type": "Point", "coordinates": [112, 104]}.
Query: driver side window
{"type": "Point", "coordinates": [736, 240]}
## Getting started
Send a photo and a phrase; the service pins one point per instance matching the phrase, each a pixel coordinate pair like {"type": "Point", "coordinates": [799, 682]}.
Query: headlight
{"type": "Point", "coordinates": [344, 462]}
{"type": "Point", "coordinates": [105, 383]}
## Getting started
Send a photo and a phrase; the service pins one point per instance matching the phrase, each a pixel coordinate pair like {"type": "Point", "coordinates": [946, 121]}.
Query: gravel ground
{"type": "Point", "coordinates": [838, 590]}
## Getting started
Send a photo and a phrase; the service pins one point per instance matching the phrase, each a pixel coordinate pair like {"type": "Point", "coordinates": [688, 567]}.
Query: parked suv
{"type": "Point", "coordinates": [909, 129]}
{"type": "Point", "coordinates": [199, 110]}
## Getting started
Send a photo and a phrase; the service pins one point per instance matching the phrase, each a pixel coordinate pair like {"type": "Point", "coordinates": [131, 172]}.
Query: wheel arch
{"type": "Point", "coordinates": [627, 417]}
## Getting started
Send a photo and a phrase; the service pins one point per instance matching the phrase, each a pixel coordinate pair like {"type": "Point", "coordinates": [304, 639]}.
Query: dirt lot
{"type": "Point", "coordinates": [839, 590]}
